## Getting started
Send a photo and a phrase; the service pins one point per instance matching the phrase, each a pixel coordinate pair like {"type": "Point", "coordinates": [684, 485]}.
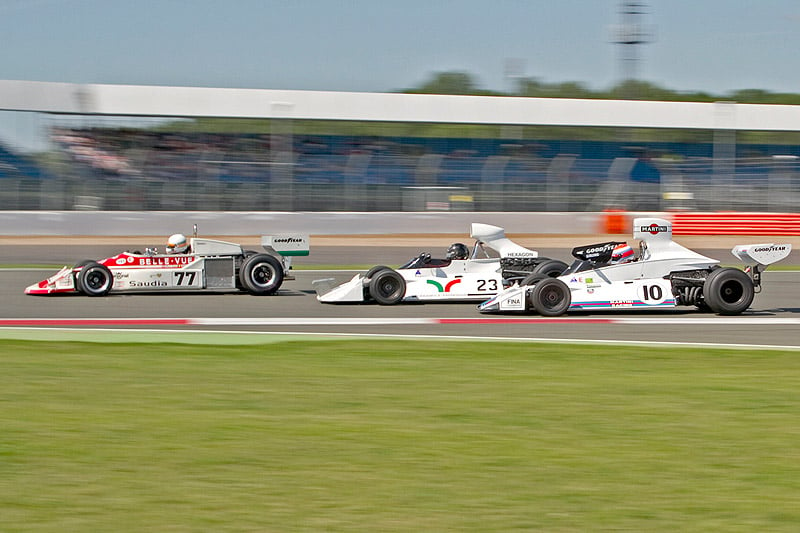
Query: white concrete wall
{"type": "Point", "coordinates": [100, 223]}
{"type": "Point", "coordinates": [139, 100]}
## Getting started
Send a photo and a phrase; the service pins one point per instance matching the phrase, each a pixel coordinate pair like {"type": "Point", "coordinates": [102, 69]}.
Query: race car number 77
{"type": "Point", "coordinates": [186, 278]}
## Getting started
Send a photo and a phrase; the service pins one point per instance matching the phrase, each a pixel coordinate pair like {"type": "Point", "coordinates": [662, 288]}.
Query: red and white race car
{"type": "Point", "coordinates": [208, 265]}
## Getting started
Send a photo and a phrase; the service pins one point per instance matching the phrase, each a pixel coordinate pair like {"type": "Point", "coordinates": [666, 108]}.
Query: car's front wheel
{"type": "Point", "coordinates": [550, 297]}
{"type": "Point", "coordinates": [387, 287]}
{"type": "Point", "coordinates": [93, 279]}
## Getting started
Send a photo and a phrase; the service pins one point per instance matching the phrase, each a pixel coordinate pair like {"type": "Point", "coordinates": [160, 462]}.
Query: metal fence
{"type": "Point", "coordinates": [564, 183]}
{"type": "Point", "coordinates": [146, 171]}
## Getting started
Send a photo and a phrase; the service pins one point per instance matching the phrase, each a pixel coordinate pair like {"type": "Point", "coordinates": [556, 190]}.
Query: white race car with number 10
{"type": "Point", "coordinates": [462, 277]}
{"type": "Point", "coordinates": [663, 276]}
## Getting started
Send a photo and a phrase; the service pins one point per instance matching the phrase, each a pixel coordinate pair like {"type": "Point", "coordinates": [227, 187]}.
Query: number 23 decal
{"type": "Point", "coordinates": [487, 285]}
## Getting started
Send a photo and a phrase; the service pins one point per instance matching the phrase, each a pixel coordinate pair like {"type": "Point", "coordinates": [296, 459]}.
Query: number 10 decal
{"type": "Point", "coordinates": [651, 294]}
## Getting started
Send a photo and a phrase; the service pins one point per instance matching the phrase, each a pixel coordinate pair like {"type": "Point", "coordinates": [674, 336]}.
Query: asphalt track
{"type": "Point", "coordinates": [773, 320]}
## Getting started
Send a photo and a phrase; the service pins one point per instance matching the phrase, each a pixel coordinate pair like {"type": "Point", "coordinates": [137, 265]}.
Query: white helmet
{"type": "Point", "coordinates": [177, 244]}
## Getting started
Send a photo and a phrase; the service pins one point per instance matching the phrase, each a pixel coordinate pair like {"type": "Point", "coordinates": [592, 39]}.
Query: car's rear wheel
{"type": "Point", "coordinates": [93, 279]}
{"type": "Point", "coordinates": [532, 279]}
{"type": "Point", "coordinates": [728, 291]}
{"type": "Point", "coordinates": [551, 268]}
{"type": "Point", "coordinates": [387, 287]}
{"type": "Point", "coordinates": [550, 297]}
{"type": "Point", "coordinates": [261, 274]}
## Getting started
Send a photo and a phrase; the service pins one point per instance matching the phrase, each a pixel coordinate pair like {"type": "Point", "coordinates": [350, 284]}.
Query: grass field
{"type": "Point", "coordinates": [353, 435]}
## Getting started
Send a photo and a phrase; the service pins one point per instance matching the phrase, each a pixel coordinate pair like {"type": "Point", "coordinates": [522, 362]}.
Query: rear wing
{"type": "Point", "coordinates": [757, 257]}
{"type": "Point", "coordinates": [495, 238]}
{"type": "Point", "coordinates": [287, 245]}
{"type": "Point", "coordinates": [761, 254]}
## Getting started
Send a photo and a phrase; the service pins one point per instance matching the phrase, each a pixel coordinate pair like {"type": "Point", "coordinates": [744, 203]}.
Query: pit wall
{"type": "Point", "coordinates": [146, 223]}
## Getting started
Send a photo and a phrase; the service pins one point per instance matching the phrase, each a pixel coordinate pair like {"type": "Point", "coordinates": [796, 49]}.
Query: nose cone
{"type": "Point", "coordinates": [489, 306]}
{"type": "Point", "coordinates": [38, 288]}
{"type": "Point", "coordinates": [59, 282]}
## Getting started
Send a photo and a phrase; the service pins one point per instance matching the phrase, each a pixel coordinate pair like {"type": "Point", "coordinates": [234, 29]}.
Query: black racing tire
{"type": "Point", "coordinates": [368, 276]}
{"type": "Point", "coordinates": [551, 267]}
{"type": "Point", "coordinates": [728, 291]}
{"type": "Point", "coordinates": [261, 274]}
{"type": "Point", "coordinates": [550, 297]}
{"type": "Point", "coordinates": [374, 270]}
{"type": "Point", "coordinates": [79, 265]}
{"type": "Point", "coordinates": [532, 279]}
{"type": "Point", "coordinates": [387, 287]}
{"type": "Point", "coordinates": [703, 307]}
{"type": "Point", "coordinates": [93, 279]}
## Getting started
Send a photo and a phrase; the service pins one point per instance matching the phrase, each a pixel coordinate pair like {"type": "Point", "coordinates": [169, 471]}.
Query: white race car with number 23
{"type": "Point", "coordinates": [463, 277]}
{"type": "Point", "coordinates": [664, 275]}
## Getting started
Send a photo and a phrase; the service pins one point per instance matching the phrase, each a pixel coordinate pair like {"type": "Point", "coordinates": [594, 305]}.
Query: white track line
{"type": "Point", "coordinates": [188, 337]}
{"type": "Point", "coordinates": [401, 321]}
{"type": "Point", "coordinates": [283, 321]}
{"type": "Point", "coordinates": [719, 321]}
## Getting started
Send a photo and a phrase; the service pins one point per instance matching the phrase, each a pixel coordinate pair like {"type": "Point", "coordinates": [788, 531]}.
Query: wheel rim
{"type": "Point", "coordinates": [387, 287]}
{"type": "Point", "coordinates": [95, 280]}
{"type": "Point", "coordinates": [263, 275]}
{"type": "Point", "coordinates": [551, 297]}
{"type": "Point", "coordinates": [731, 292]}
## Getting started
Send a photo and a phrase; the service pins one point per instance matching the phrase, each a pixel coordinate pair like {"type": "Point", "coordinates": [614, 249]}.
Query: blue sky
{"type": "Point", "coordinates": [374, 45]}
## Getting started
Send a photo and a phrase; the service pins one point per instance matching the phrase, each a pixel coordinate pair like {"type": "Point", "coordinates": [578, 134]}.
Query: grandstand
{"type": "Point", "coordinates": [115, 166]}
{"type": "Point", "coordinates": [118, 168]}
{"type": "Point", "coordinates": [13, 165]}
{"type": "Point", "coordinates": [21, 181]}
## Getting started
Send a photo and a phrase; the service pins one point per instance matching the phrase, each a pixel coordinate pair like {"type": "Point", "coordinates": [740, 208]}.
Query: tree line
{"type": "Point", "coordinates": [464, 83]}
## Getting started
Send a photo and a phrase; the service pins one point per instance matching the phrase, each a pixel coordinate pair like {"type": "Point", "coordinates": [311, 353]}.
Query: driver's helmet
{"type": "Point", "coordinates": [177, 244]}
{"type": "Point", "coordinates": [457, 250]}
{"type": "Point", "coordinates": [622, 253]}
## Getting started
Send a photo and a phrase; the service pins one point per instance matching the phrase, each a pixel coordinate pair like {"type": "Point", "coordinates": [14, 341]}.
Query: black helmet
{"type": "Point", "coordinates": [457, 251]}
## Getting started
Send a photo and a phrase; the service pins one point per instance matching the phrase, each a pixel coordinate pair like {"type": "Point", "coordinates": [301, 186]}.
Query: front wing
{"type": "Point", "coordinates": [351, 291]}
{"type": "Point", "coordinates": [62, 281]}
